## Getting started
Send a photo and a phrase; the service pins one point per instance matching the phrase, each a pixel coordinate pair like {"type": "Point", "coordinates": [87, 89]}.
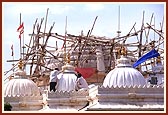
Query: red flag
{"type": "Point", "coordinates": [12, 49]}
{"type": "Point", "coordinates": [20, 27]}
{"type": "Point", "coordinates": [20, 30]}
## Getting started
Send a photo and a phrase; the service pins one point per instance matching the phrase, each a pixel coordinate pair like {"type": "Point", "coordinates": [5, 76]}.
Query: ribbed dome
{"type": "Point", "coordinates": [66, 79]}
{"type": "Point", "coordinates": [21, 87]}
{"type": "Point", "coordinates": [124, 75]}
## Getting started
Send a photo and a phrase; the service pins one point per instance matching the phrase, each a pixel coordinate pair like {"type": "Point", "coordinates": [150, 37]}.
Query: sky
{"type": "Point", "coordinates": [80, 16]}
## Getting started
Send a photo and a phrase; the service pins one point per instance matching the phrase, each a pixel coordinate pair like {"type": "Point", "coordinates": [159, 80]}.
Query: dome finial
{"type": "Point", "coordinates": [158, 60]}
{"type": "Point", "coordinates": [123, 51]}
{"type": "Point", "coordinates": [68, 58]}
{"type": "Point", "coordinates": [20, 65]}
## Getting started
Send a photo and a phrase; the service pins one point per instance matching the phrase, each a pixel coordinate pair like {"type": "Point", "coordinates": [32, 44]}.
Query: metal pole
{"type": "Point", "coordinates": [118, 32]}
{"type": "Point", "coordinates": [65, 39]}
{"type": "Point", "coordinates": [13, 60]}
{"type": "Point", "coordinates": [20, 41]}
{"type": "Point", "coordinates": [23, 45]}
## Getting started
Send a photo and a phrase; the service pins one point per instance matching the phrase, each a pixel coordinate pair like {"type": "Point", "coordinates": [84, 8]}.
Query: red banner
{"type": "Point", "coordinates": [86, 72]}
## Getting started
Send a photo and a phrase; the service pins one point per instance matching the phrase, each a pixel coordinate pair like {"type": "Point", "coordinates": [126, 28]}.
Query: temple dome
{"type": "Point", "coordinates": [22, 87]}
{"type": "Point", "coordinates": [66, 79]}
{"type": "Point", "coordinates": [124, 75]}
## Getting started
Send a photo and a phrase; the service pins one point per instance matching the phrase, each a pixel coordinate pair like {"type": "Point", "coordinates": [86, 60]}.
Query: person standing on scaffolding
{"type": "Point", "coordinates": [53, 77]}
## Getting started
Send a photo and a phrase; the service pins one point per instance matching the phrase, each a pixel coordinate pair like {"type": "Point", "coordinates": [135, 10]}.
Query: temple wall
{"type": "Point", "coordinates": [137, 96]}
{"type": "Point", "coordinates": [73, 99]}
{"type": "Point", "coordinates": [25, 103]}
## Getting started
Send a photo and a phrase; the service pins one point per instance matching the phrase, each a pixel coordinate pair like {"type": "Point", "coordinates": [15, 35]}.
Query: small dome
{"type": "Point", "coordinates": [67, 78]}
{"type": "Point", "coordinates": [123, 75]}
{"type": "Point", "coordinates": [21, 87]}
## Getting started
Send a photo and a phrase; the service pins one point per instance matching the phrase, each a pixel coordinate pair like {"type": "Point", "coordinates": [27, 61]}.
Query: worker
{"type": "Point", "coordinates": [53, 77]}
{"type": "Point", "coordinates": [81, 82]}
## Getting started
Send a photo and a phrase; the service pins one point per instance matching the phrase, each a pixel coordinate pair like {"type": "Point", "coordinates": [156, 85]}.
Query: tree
{"type": "Point", "coordinates": [7, 106]}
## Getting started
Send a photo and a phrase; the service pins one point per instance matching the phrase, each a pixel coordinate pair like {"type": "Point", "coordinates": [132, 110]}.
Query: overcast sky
{"type": "Point", "coordinates": [80, 16]}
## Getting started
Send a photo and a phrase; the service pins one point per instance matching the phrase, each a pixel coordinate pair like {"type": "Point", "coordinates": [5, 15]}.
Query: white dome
{"type": "Point", "coordinates": [66, 80]}
{"type": "Point", "coordinates": [124, 75]}
{"type": "Point", "coordinates": [21, 87]}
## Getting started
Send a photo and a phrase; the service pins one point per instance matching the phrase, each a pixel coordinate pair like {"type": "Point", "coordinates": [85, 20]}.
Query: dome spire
{"type": "Point", "coordinates": [123, 51]}
{"type": "Point", "coordinates": [20, 65]}
{"type": "Point", "coordinates": [158, 60]}
{"type": "Point", "coordinates": [68, 58]}
{"type": "Point", "coordinates": [20, 73]}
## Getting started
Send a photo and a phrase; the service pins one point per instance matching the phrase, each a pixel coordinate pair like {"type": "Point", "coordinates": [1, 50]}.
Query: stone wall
{"type": "Point", "coordinates": [25, 103]}
{"type": "Point", "coordinates": [73, 99]}
{"type": "Point", "coordinates": [130, 98]}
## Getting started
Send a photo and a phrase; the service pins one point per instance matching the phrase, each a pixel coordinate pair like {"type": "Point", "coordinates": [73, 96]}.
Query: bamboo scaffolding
{"type": "Point", "coordinates": [82, 48]}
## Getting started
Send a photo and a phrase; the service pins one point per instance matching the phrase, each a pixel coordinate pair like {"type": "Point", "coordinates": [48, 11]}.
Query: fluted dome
{"type": "Point", "coordinates": [20, 87]}
{"type": "Point", "coordinates": [66, 79]}
{"type": "Point", "coordinates": [123, 75]}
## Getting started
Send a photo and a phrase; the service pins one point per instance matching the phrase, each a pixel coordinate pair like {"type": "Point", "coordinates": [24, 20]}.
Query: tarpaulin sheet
{"type": "Point", "coordinates": [151, 54]}
{"type": "Point", "coordinates": [86, 72]}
